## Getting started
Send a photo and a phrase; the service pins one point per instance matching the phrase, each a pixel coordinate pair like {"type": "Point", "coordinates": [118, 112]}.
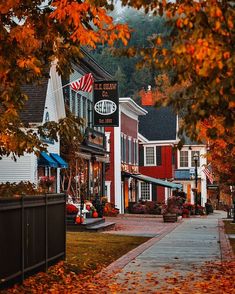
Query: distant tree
{"type": "Point", "coordinates": [142, 26]}
{"type": "Point", "coordinates": [122, 81]}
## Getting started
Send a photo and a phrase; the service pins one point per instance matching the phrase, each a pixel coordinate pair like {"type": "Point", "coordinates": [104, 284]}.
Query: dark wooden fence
{"type": "Point", "coordinates": [32, 235]}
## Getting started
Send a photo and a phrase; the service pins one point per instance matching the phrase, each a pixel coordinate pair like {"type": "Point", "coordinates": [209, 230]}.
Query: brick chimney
{"type": "Point", "coordinates": [147, 97]}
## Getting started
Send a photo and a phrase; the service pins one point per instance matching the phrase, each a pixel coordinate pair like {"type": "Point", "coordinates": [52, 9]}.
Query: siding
{"type": "Point", "coordinates": [24, 169]}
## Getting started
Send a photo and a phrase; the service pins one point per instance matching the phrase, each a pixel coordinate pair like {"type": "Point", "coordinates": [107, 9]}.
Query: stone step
{"type": "Point", "coordinates": [86, 225]}
{"type": "Point", "coordinates": [101, 227]}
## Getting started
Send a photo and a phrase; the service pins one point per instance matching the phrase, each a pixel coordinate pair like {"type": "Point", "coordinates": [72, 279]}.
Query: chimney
{"type": "Point", "coordinates": [147, 97]}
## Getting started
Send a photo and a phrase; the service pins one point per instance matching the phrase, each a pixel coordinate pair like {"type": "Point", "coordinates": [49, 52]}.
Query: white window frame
{"type": "Point", "coordinates": [190, 159]}
{"type": "Point", "coordinates": [108, 185]}
{"type": "Point", "coordinates": [140, 191]}
{"type": "Point", "coordinates": [107, 136]}
{"type": "Point", "coordinates": [154, 155]}
{"type": "Point", "coordinates": [130, 155]}
{"type": "Point", "coordinates": [185, 166]}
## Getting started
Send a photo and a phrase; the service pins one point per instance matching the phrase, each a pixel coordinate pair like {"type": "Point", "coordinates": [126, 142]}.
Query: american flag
{"type": "Point", "coordinates": [208, 172]}
{"type": "Point", "coordinates": [84, 84]}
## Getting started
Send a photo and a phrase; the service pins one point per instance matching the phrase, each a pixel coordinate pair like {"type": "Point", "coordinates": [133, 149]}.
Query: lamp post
{"type": "Point", "coordinates": [196, 158]}
{"type": "Point", "coordinates": [232, 190]}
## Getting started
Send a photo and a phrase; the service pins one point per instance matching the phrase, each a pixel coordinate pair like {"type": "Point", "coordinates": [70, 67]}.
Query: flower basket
{"type": "Point", "coordinates": [170, 217]}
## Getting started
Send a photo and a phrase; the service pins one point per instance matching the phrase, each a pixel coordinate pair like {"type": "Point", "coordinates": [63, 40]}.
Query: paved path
{"type": "Point", "coordinates": [181, 248]}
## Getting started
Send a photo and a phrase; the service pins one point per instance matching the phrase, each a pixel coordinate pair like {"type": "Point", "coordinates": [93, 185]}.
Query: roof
{"type": "Point", "coordinates": [158, 124]}
{"type": "Point", "coordinates": [34, 106]}
{"type": "Point", "coordinates": [158, 182]}
{"type": "Point", "coordinates": [131, 105]}
{"type": "Point", "coordinates": [88, 65]}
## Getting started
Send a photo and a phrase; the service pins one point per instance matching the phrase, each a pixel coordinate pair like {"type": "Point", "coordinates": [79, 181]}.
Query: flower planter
{"type": "Point", "coordinates": [170, 218]}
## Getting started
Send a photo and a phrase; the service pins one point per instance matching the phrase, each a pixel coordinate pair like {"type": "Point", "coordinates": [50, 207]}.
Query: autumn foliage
{"type": "Point", "coordinates": [216, 277]}
{"type": "Point", "coordinates": [33, 34]}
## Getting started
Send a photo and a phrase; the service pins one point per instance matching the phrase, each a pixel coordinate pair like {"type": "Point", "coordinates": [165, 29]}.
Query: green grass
{"type": "Point", "coordinates": [230, 229]}
{"type": "Point", "coordinates": [94, 251]}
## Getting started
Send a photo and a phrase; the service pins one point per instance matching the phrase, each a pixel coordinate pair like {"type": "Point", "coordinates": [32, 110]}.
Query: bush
{"type": "Point", "coordinates": [110, 209]}
{"type": "Point", "coordinates": [138, 208]}
{"type": "Point", "coordinates": [152, 207]}
{"type": "Point", "coordinates": [18, 189]}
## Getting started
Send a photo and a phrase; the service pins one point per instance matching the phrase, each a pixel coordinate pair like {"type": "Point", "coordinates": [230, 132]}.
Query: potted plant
{"type": "Point", "coordinates": [46, 182]}
{"type": "Point", "coordinates": [170, 210]}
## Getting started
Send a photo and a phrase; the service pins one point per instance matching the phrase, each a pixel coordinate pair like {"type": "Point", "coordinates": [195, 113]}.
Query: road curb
{"type": "Point", "coordinates": [225, 247]}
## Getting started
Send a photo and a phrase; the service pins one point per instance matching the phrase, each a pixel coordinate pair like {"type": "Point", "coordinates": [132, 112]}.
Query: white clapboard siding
{"type": "Point", "coordinates": [24, 169]}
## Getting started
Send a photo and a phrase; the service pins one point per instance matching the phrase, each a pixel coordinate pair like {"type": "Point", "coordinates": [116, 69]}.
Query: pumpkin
{"type": "Point", "coordinates": [79, 220]}
{"type": "Point", "coordinates": [95, 214]}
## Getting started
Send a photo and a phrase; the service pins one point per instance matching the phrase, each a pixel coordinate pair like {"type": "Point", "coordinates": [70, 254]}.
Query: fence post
{"type": "Point", "coordinates": [46, 231]}
{"type": "Point", "coordinates": [22, 238]}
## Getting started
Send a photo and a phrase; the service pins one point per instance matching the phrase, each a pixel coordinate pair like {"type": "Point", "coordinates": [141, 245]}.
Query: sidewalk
{"type": "Point", "coordinates": [174, 251]}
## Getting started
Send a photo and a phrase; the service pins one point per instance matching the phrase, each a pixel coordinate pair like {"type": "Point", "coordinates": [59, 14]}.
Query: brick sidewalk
{"type": "Point", "coordinates": [138, 226]}
{"type": "Point", "coordinates": [154, 227]}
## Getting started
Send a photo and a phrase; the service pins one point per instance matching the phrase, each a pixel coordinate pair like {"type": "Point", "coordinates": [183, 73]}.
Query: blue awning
{"type": "Point", "coordinates": [59, 160]}
{"type": "Point", "coordinates": [46, 160]}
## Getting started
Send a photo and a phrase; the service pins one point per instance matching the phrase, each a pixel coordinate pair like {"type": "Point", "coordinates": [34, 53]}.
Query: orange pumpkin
{"type": "Point", "coordinates": [78, 220]}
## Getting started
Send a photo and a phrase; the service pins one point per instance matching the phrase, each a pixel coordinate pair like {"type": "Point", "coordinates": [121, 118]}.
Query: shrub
{"type": "Point", "coordinates": [17, 189]}
{"type": "Point", "coordinates": [110, 209]}
{"type": "Point", "coordinates": [139, 208]}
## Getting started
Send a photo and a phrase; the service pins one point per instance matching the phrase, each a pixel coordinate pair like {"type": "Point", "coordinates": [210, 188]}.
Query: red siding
{"type": "Point", "coordinates": [129, 126]}
{"type": "Point", "coordinates": [164, 171]}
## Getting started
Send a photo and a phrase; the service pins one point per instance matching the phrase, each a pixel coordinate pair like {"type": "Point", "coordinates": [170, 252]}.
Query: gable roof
{"type": "Point", "coordinates": [34, 107]}
{"type": "Point", "coordinates": [158, 124]}
{"type": "Point", "coordinates": [88, 64]}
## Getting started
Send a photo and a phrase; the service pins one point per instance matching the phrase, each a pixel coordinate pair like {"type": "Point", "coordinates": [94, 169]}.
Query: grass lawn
{"type": "Point", "coordinates": [88, 251]}
{"type": "Point", "coordinates": [230, 229]}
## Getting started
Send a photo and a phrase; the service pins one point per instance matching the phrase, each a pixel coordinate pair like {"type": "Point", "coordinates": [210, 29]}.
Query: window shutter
{"type": "Point", "coordinates": [159, 155]}
{"type": "Point", "coordinates": [141, 155]}
{"type": "Point", "coordinates": [154, 193]}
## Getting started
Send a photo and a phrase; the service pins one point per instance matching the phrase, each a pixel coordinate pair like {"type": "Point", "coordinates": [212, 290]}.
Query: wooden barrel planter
{"type": "Point", "coordinates": [170, 218]}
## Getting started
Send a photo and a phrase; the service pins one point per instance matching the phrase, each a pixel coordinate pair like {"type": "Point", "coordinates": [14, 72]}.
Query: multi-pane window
{"type": "Point", "coordinates": [183, 158]}
{"type": "Point", "coordinates": [145, 191]}
{"type": "Point", "coordinates": [149, 156]}
{"type": "Point", "coordinates": [192, 160]}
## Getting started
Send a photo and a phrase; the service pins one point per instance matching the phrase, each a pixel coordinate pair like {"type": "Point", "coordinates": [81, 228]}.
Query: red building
{"type": "Point", "coordinates": [122, 143]}
{"type": "Point", "coordinates": [125, 179]}
{"type": "Point", "coordinates": [157, 138]}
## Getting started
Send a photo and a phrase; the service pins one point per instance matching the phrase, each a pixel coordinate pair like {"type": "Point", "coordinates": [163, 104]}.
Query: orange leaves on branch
{"type": "Point", "coordinates": [89, 24]}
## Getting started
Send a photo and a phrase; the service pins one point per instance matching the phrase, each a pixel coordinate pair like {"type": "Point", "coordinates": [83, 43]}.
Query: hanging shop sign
{"type": "Point", "coordinates": [106, 104]}
{"type": "Point", "coordinates": [94, 139]}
